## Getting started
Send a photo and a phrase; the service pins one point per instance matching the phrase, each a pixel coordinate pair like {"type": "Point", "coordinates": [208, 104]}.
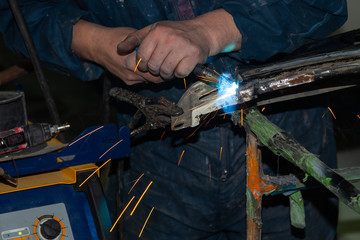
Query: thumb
{"type": "Point", "coordinates": [132, 41]}
{"type": "Point", "coordinates": [128, 44]}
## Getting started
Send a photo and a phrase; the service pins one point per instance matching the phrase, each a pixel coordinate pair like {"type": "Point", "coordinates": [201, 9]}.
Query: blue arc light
{"type": "Point", "coordinates": [227, 89]}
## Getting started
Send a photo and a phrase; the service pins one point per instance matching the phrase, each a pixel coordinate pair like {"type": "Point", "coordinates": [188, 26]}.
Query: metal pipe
{"type": "Point", "coordinates": [281, 143]}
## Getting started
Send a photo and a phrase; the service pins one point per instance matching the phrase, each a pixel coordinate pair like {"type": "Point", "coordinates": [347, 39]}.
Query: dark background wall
{"type": "Point", "coordinates": [79, 103]}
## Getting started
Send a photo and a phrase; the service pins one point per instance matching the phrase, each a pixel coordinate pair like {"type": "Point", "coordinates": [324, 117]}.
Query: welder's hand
{"type": "Point", "coordinates": [169, 49]}
{"type": "Point", "coordinates": [172, 49]}
{"type": "Point", "coordinates": [98, 44]}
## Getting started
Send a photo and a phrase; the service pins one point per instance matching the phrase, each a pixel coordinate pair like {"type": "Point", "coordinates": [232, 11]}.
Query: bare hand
{"type": "Point", "coordinates": [172, 49]}
{"type": "Point", "coordinates": [98, 44]}
{"type": "Point", "coordinates": [168, 49]}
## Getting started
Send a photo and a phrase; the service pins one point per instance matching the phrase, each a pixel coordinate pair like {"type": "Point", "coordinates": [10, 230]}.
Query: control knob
{"type": "Point", "coordinates": [50, 229]}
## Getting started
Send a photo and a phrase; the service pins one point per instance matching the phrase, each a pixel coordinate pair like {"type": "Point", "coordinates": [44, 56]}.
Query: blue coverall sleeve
{"type": "Point", "coordinates": [269, 27]}
{"type": "Point", "coordinates": [50, 24]}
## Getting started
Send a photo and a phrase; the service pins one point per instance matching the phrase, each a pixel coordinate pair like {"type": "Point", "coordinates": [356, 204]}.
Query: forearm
{"type": "Point", "coordinates": [96, 43]}
{"type": "Point", "coordinates": [90, 41]}
{"type": "Point", "coordinates": [84, 37]}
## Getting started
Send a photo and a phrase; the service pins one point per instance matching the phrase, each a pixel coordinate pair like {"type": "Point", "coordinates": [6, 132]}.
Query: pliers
{"type": "Point", "coordinates": [157, 111]}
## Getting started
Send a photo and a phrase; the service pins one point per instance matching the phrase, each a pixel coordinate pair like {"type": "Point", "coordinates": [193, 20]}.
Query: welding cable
{"type": "Point", "coordinates": [24, 31]}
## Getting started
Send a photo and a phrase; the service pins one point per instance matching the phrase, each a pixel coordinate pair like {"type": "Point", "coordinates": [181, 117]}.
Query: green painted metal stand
{"type": "Point", "coordinates": [259, 129]}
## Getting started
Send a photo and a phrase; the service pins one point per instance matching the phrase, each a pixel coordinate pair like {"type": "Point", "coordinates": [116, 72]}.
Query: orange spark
{"type": "Point", "coordinates": [162, 135]}
{"type": "Point", "coordinates": [184, 83]}
{"type": "Point", "coordinates": [137, 65]}
{"type": "Point", "coordinates": [206, 102]}
{"type": "Point", "coordinates": [135, 183]}
{"type": "Point", "coordinates": [220, 152]}
{"type": "Point", "coordinates": [358, 116]}
{"type": "Point", "coordinates": [95, 172]}
{"type": "Point", "coordinates": [85, 135]}
{"type": "Point", "coordinates": [146, 221]}
{"type": "Point", "coordinates": [216, 112]}
{"type": "Point", "coordinates": [181, 157]}
{"type": "Point", "coordinates": [188, 93]}
{"type": "Point", "coordinates": [263, 109]}
{"type": "Point", "coordinates": [206, 116]}
{"type": "Point", "coordinates": [110, 148]}
{"type": "Point", "coordinates": [207, 79]}
{"type": "Point", "coordinates": [224, 116]}
{"type": "Point", "coordinates": [57, 134]}
{"type": "Point", "coordinates": [332, 112]}
{"type": "Point", "coordinates": [194, 131]}
{"type": "Point", "coordinates": [201, 124]}
{"type": "Point", "coordinates": [172, 127]}
{"type": "Point", "coordinates": [212, 117]}
{"type": "Point", "coordinates": [242, 117]}
{"type": "Point", "coordinates": [142, 195]}
{"type": "Point", "coordinates": [122, 213]}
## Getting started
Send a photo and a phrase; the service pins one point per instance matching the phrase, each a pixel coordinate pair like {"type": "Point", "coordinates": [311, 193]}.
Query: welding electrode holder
{"type": "Point", "coordinates": [202, 70]}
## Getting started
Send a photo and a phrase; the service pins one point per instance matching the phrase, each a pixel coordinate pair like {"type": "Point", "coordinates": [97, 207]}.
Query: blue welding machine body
{"type": "Point", "coordinates": [57, 209]}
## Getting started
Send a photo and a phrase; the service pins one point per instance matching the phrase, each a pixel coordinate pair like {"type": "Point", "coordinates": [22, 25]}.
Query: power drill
{"type": "Point", "coordinates": [27, 136]}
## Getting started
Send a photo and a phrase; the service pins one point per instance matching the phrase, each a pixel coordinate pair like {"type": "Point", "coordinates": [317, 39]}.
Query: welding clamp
{"type": "Point", "coordinates": [157, 111]}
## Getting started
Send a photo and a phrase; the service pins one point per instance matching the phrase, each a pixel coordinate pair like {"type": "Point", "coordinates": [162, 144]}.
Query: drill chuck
{"type": "Point", "coordinates": [28, 136]}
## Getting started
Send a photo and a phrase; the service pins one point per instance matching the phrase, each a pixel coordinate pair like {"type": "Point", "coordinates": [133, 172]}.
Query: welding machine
{"type": "Point", "coordinates": [51, 199]}
{"type": "Point", "coordinates": [55, 195]}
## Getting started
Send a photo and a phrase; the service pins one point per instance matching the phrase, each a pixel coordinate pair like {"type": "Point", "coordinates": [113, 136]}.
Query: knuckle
{"type": "Point", "coordinates": [142, 65]}
{"type": "Point", "coordinates": [180, 73]}
{"type": "Point", "coordinates": [195, 52]}
{"type": "Point", "coordinates": [172, 37]}
{"type": "Point", "coordinates": [166, 73]}
{"type": "Point", "coordinates": [141, 58]}
{"type": "Point", "coordinates": [153, 66]}
{"type": "Point", "coordinates": [158, 29]}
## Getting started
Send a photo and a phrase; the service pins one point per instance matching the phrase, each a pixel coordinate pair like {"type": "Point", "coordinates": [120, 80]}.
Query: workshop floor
{"type": "Point", "coordinates": [79, 103]}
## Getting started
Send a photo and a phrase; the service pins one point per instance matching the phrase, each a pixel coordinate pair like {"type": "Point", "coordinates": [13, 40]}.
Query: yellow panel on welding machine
{"type": "Point", "coordinates": [61, 176]}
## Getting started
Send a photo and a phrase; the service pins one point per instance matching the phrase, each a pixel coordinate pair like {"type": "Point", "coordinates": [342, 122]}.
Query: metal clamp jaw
{"type": "Point", "coordinates": [201, 99]}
